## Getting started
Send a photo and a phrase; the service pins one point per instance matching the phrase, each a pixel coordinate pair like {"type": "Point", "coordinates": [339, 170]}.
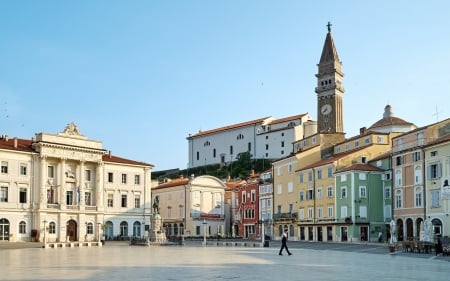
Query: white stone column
{"type": "Point", "coordinates": [62, 183]}
{"type": "Point", "coordinates": [81, 186]}
{"type": "Point", "coordinates": [99, 186]}
{"type": "Point", "coordinates": [43, 189]}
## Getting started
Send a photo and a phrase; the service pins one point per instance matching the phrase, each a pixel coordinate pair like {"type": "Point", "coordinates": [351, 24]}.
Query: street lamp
{"type": "Point", "coordinates": [45, 230]}
{"type": "Point", "coordinates": [204, 232]}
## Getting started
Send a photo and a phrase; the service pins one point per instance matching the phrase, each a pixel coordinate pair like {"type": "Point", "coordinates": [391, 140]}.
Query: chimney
{"type": "Point", "coordinates": [362, 130]}
{"type": "Point", "coordinates": [109, 153]}
{"type": "Point", "coordinates": [15, 142]}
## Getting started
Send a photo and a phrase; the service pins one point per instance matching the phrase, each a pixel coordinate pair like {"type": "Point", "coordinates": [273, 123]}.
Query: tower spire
{"type": "Point", "coordinates": [329, 88]}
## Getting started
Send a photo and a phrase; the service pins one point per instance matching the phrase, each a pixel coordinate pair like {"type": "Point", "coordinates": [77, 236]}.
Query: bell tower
{"type": "Point", "coordinates": [329, 89]}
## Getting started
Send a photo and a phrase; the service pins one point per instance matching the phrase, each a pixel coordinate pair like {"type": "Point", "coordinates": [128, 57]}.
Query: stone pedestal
{"type": "Point", "coordinates": [157, 234]}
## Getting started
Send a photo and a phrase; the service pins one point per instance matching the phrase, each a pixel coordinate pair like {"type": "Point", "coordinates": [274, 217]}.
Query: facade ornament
{"type": "Point", "coordinates": [72, 129]}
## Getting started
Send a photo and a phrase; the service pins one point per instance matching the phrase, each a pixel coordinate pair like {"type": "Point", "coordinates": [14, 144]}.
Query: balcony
{"type": "Point", "coordinates": [285, 216]}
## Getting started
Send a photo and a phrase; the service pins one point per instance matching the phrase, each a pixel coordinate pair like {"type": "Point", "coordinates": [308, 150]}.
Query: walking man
{"type": "Point", "coordinates": [284, 243]}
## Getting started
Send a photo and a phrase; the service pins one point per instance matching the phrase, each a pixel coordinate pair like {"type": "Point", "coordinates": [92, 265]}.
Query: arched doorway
{"type": "Point", "coordinates": [409, 228]}
{"type": "Point", "coordinates": [71, 230]}
{"type": "Point", "coordinates": [399, 230]}
{"type": "Point", "coordinates": [108, 230]}
{"type": "Point", "coordinates": [418, 224]}
{"type": "Point", "coordinates": [4, 230]}
{"type": "Point", "coordinates": [136, 229]}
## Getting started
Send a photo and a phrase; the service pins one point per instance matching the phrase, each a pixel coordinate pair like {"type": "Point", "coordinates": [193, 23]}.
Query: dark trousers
{"type": "Point", "coordinates": [284, 246]}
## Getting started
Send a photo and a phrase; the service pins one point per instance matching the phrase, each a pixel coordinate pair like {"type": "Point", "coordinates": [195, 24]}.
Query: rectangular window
{"type": "Point", "coordinates": [434, 171]}
{"type": "Point", "coordinates": [23, 169]}
{"type": "Point", "coordinates": [363, 211]}
{"type": "Point", "coordinates": [330, 211]}
{"type": "Point", "coordinates": [4, 167]}
{"type": "Point", "coordinates": [310, 176]}
{"type": "Point", "coordinates": [124, 178]}
{"type": "Point", "coordinates": [300, 178]}
{"type": "Point", "coordinates": [343, 192]}
{"type": "Point", "coordinates": [310, 213]}
{"type": "Point", "coordinates": [301, 214]}
{"type": "Point", "coordinates": [362, 191]}
{"type": "Point", "coordinates": [330, 172]}
{"type": "Point", "coordinates": [416, 156]}
{"type": "Point", "coordinates": [69, 197]}
{"type": "Point", "coordinates": [330, 191]}
{"type": "Point", "coordinates": [319, 212]}
{"type": "Point", "coordinates": [137, 201]}
{"type": "Point", "coordinates": [435, 194]}
{"type": "Point", "coordinates": [309, 194]}
{"type": "Point", "coordinates": [398, 160]}
{"type": "Point", "coordinates": [87, 175]}
{"type": "Point", "coordinates": [4, 194]}
{"type": "Point", "coordinates": [137, 179]}
{"type": "Point", "coordinates": [110, 177]}
{"type": "Point", "coordinates": [23, 195]}
{"type": "Point", "coordinates": [301, 195]}
{"type": "Point", "coordinates": [51, 172]}
{"type": "Point", "coordinates": [279, 189]}
{"type": "Point", "coordinates": [244, 196]}
{"type": "Point", "coordinates": [110, 200]}
{"type": "Point", "coordinates": [319, 193]}
{"type": "Point", "coordinates": [290, 187]}
{"type": "Point", "coordinates": [319, 174]}
{"type": "Point", "coordinates": [124, 201]}
{"type": "Point", "coordinates": [387, 193]}
{"type": "Point", "coordinates": [343, 211]}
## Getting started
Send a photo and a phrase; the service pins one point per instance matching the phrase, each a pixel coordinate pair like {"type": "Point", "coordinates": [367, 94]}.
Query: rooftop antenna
{"type": "Point", "coordinates": [436, 113]}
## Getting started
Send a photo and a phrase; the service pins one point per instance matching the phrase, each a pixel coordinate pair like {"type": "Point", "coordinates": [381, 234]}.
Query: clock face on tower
{"type": "Point", "coordinates": [325, 109]}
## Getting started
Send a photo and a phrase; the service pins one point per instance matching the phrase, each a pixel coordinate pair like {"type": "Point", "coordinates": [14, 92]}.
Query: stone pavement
{"type": "Point", "coordinates": [118, 261]}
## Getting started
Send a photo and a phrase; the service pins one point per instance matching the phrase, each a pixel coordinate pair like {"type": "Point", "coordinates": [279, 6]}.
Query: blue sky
{"type": "Point", "coordinates": [140, 76]}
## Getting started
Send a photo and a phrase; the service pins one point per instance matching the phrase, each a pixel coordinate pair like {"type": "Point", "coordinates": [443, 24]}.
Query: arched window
{"type": "Point", "coordinates": [89, 228]}
{"type": "Point", "coordinates": [52, 227]}
{"type": "Point", "coordinates": [137, 229]}
{"type": "Point", "coordinates": [108, 230]}
{"type": "Point", "coordinates": [124, 229]}
{"type": "Point", "coordinates": [22, 227]}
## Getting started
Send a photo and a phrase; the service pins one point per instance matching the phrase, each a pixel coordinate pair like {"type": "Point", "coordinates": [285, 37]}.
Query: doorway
{"type": "Point", "coordinates": [4, 230]}
{"type": "Point", "coordinates": [71, 230]}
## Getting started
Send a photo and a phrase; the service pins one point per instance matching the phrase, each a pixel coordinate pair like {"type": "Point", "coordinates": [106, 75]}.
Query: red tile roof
{"type": "Point", "coordinates": [360, 167]}
{"type": "Point", "coordinates": [116, 159]}
{"type": "Point", "coordinates": [22, 144]}
{"type": "Point", "coordinates": [226, 128]}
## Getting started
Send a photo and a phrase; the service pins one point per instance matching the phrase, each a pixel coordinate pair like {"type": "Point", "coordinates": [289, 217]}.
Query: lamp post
{"type": "Point", "coordinates": [204, 232]}
{"type": "Point", "coordinates": [45, 230]}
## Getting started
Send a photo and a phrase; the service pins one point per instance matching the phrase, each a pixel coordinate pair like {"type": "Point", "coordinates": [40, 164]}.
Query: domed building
{"type": "Point", "coordinates": [390, 123]}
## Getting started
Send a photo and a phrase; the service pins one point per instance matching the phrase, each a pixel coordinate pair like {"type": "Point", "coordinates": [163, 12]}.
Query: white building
{"type": "Point", "coordinates": [65, 187]}
{"type": "Point", "coordinates": [265, 138]}
{"type": "Point", "coordinates": [191, 206]}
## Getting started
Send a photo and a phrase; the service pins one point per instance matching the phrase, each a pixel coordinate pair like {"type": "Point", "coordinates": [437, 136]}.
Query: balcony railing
{"type": "Point", "coordinates": [285, 216]}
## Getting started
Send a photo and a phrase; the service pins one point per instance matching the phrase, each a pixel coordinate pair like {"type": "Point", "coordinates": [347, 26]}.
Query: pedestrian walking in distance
{"type": "Point", "coordinates": [284, 238]}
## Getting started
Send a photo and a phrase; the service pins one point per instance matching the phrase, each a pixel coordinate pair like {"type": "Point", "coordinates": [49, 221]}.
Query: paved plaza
{"type": "Point", "coordinates": [118, 261]}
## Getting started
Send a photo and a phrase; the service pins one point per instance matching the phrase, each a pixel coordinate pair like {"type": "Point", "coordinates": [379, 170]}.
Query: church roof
{"type": "Point", "coordinates": [329, 53]}
{"type": "Point", "coordinates": [389, 120]}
